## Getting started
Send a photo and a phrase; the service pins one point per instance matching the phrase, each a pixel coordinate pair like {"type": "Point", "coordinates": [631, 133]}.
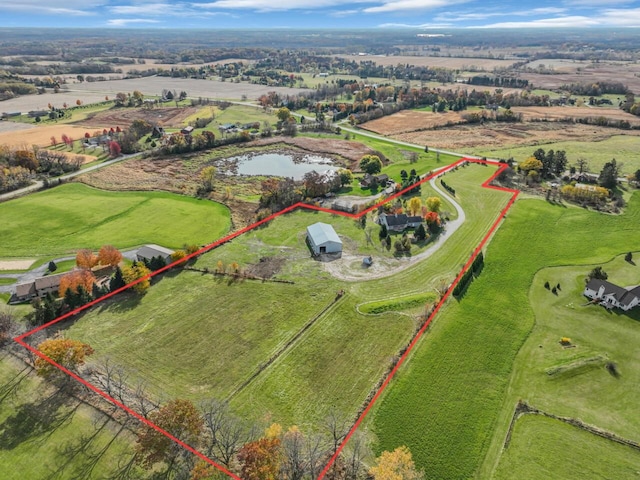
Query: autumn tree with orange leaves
{"type": "Point", "coordinates": [261, 459]}
{"type": "Point", "coordinates": [75, 279]}
{"type": "Point", "coordinates": [109, 255]}
{"type": "Point", "coordinates": [86, 259]}
{"type": "Point", "coordinates": [66, 352]}
{"type": "Point", "coordinates": [178, 417]}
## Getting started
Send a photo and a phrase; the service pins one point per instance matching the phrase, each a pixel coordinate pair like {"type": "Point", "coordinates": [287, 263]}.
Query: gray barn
{"type": "Point", "coordinates": [323, 239]}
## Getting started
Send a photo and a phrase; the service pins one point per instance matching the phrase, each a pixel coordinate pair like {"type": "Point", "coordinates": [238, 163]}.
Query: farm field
{"type": "Point", "coordinates": [73, 216]}
{"type": "Point", "coordinates": [621, 147]}
{"type": "Point", "coordinates": [458, 409]}
{"type": "Point", "coordinates": [195, 88]}
{"type": "Point", "coordinates": [458, 63]}
{"type": "Point", "coordinates": [411, 121]}
{"type": "Point", "coordinates": [40, 136]}
{"type": "Point", "coordinates": [559, 113]}
{"type": "Point", "coordinates": [546, 448]}
{"type": "Point", "coordinates": [472, 138]}
{"type": "Point", "coordinates": [208, 317]}
{"type": "Point", "coordinates": [47, 434]}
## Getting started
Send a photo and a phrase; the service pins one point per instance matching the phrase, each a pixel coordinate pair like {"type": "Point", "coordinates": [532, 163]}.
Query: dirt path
{"type": "Point", "coordinates": [343, 268]}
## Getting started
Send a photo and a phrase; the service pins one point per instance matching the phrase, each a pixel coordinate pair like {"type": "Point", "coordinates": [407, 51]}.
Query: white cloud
{"type": "Point", "coordinates": [624, 17]}
{"type": "Point", "coordinates": [53, 7]}
{"type": "Point", "coordinates": [597, 3]}
{"type": "Point", "coordinates": [421, 26]}
{"type": "Point", "coordinates": [558, 22]}
{"type": "Point", "coordinates": [143, 9]}
{"type": "Point", "coordinates": [122, 22]}
{"type": "Point", "coordinates": [270, 5]}
{"type": "Point", "coordinates": [410, 5]}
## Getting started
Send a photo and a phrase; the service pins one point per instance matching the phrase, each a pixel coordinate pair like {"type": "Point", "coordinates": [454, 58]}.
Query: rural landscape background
{"type": "Point", "coordinates": [167, 311]}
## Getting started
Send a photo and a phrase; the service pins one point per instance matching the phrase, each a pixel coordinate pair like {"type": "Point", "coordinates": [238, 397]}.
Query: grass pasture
{"type": "Point", "coordinates": [46, 434]}
{"type": "Point", "coordinates": [219, 330]}
{"type": "Point", "coordinates": [543, 447]}
{"type": "Point", "coordinates": [624, 148]}
{"type": "Point", "coordinates": [456, 382]}
{"type": "Point", "coordinates": [69, 217]}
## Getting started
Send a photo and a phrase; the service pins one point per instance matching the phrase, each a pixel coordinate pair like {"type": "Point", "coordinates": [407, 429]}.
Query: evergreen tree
{"type": "Point", "coordinates": [383, 232]}
{"type": "Point", "coordinates": [52, 266]}
{"type": "Point", "coordinates": [117, 281]}
{"type": "Point", "coordinates": [609, 175]}
{"type": "Point", "coordinates": [421, 233]}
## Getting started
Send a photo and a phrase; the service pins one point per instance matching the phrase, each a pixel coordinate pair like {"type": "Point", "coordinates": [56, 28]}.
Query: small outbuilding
{"type": "Point", "coordinates": [148, 252]}
{"type": "Point", "coordinates": [323, 238]}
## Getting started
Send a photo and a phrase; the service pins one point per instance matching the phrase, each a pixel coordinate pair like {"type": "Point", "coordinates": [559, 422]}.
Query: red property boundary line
{"type": "Point", "coordinates": [21, 339]}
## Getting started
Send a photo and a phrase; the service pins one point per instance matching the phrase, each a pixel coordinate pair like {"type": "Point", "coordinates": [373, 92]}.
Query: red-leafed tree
{"type": "Point", "coordinates": [87, 135]}
{"type": "Point", "coordinates": [114, 149]}
{"type": "Point", "coordinates": [54, 141]}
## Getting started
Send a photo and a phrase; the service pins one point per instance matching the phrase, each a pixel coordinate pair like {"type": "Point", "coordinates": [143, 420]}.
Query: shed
{"type": "Point", "coordinates": [149, 252]}
{"type": "Point", "coordinates": [323, 238]}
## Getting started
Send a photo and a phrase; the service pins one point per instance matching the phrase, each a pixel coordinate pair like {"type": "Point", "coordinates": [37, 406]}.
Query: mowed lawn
{"type": "Point", "coordinates": [197, 336]}
{"type": "Point", "coordinates": [44, 434]}
{"type": "Point", "coordinates": [586, 390]}
{"type": "Point", "coordinates": [542, 447]}
{"type": "Point", "coordinates": [69, 217]}
{"type": "Point", "coordinates": [451, 396]}
{"type": "Point", "coordinates": [624, 148]}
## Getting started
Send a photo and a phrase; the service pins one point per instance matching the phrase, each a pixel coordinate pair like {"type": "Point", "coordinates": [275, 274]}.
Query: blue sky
{"type": "Point", "coordinates": [426, 14]}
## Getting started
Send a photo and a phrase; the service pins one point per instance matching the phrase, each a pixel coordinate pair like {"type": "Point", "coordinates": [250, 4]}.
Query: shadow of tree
{"type": "Point", "coordinates": [37, 421]}
{"type": "Point", "coordinates": [79, 457]}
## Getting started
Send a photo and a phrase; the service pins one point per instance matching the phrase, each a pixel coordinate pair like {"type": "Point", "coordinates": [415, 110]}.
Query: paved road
{"type": "Point", "coordinates": [39, 184]}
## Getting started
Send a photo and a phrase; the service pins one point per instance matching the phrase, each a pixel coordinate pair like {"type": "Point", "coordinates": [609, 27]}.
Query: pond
{"type": "Point", "coordinates": [280, 165]}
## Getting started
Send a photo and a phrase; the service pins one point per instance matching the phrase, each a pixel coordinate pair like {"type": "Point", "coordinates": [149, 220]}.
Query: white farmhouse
{"type": "Point", "coordinates": [323, 238]}
{"type": "Point", "coordinates": [610, 295]}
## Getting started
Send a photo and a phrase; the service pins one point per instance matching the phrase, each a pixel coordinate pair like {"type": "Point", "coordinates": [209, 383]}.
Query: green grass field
{"type": "Point", "coordinates": [455, 383]}
{"type": "Point", "coordinates": [542, 447]}
{"type": "Point", "coordinates": [64, 219]}
{"type": "Point", "coordinates": [621, 147]}
{"type": "Point", "coordinates": [45, 434]}
{"type": "Point", "coordinates": [218, 330]}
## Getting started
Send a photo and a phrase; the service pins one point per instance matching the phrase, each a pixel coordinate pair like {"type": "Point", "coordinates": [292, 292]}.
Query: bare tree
{"type": "Point", "coordinates": [315, 452]}
{"type": "Point", "coordinates": [294, 463]}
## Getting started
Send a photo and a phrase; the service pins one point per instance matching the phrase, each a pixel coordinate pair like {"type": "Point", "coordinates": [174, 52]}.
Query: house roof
{"type": "Point", "coordinates": [49, 281]}
{"type": "Point", "coordinates": [150, 251]}
{"type": "Point", "coordinates": [401, 219]}
{"type": "Point", "coordinates": [322, 233]}
{"type": "Point", "coordinates": [622, 295]}
{"type": "Point", "coordinates": [31, 288]}
{"type": "Point", "coordinates": [25, 289]}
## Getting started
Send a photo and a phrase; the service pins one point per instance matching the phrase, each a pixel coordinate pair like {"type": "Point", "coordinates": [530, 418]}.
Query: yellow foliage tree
{"type": "Point", "coordinates": [415, 205]}
{"type": "Point", "coordinates": [434, 204]}
{"type": "Point", "coordinates": [68, 353]}
{"type": "Point", "coordinates": [531, 163]}
{"type": "Point", "coordinates": [396, 465]}
{"type": "Point", "coordinates": [135, 272]}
